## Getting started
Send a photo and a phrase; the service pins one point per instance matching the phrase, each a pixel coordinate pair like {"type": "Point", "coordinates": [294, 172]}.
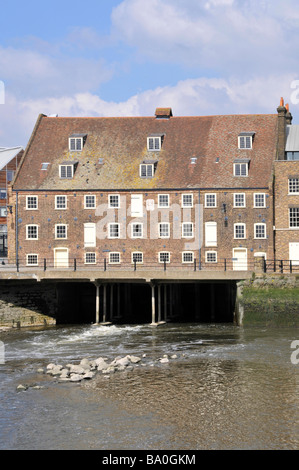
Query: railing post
{"type": "Point", "coordinates": [281, 266]}
{"type": "Point", "coordinates": [105, 265]}
{"type": "Point", "coordinates": [134, 264]}
{"type": "Point", "coordinates": [274, 266]}
{"type": "Point", "coordinates": [18, 265]}
{"type": "Point", "coordinates": [224, 264]}
{"type": "Point", "coordinates": [45, 264]}
{"type": "Point", "coordinates": [75, 264]}
{"type": "Point", "coordinates": [164, 264]}
{"type": "Point", "coordinates": [265, 266]}
{"type": "Point", "coordinates": [291, 267]}
{"type": "Point", "coordinates": [194, 264]}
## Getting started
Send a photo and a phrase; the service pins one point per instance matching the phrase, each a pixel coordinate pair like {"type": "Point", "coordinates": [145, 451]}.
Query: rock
{"type": "Point", "coordinates": [101, 364]}
{"type": "Point", "coordinates": [85, 363]}
{"type": "Point", "coordinates": [134, 359]}
{"type": "Point", "coordinates": [40, 371]}
{"type": "Point", "coordinates": [76, 378]}
{"type": "Point", "coordinates": [164, 360]}
{"type": "Point", "coordinates": [174, 356]}
{"type": "Point", "coordinates": [22, 387]}
{"type": "Point", "coordinates": [122, 361]}
{"type": "Point", "coordinates": [88, 375]}
{"type": "Point", "coordinates": [50, 366]}
{"type": "Point", "coordinates": [77, 369]}
{"type": "Point", "coordinates": [56, 370]}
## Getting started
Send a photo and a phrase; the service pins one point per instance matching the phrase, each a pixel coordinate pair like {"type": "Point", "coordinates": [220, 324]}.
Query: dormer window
{"type": "Point", "coordinates": [67, 170]}
{"type": "Point", "coordinates": [146, 170]}
{"type": "Point", "coordinates": [76, 142]}
{"type": "Point", "coordinates": [241, 167]}
{"type": "Point", "coordinates": [245, 140]}
{"type": "Point", "coordinates": [154, 142]}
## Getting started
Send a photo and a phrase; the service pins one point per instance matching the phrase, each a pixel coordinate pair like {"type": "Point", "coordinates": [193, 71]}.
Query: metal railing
{"type": "Point", "coordinates": [77, 264]}
{"type": "Point", "coordinates": [281, 266]}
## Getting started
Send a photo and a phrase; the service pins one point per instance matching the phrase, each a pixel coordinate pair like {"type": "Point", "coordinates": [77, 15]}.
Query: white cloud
{"type": "Point", "coordinates": [219, 35]}
{"type": "Point", "coordinates": [202, 96]}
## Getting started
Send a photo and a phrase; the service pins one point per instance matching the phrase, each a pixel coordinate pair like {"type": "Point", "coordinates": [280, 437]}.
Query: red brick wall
{"type": "Point", "coordinates": [75, 216]}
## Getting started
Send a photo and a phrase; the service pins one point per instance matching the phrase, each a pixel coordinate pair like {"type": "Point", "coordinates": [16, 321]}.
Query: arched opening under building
{"type": "Point", "coordinates": [131, 303]}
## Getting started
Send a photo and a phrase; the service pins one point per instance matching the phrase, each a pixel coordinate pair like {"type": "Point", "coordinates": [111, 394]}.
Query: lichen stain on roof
{"type": "Point", "coordinates": [115, 148]}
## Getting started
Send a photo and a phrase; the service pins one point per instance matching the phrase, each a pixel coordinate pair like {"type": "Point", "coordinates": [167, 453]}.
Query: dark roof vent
{"type": "Point", "coordinates": [163, 113]}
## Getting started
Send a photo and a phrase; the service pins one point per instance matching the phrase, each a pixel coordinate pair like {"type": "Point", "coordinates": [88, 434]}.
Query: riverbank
{"type": "Point", "coordinates": [270, 301]}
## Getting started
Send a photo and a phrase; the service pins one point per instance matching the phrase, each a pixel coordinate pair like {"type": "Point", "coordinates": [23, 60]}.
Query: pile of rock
{"type": "Point", "coordinates": [88, 368]}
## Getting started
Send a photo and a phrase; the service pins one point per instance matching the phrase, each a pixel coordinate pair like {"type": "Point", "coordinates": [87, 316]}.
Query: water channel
{"type": "Point", "coordinates": [227, 388]}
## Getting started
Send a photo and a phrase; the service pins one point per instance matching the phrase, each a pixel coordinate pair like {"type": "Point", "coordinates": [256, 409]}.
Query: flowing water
{"type": "Point", "coordinates": [227, 388]}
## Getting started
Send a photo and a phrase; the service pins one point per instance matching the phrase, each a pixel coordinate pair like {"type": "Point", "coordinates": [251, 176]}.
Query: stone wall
{"type": "Point", "coordinates": [24, 304]}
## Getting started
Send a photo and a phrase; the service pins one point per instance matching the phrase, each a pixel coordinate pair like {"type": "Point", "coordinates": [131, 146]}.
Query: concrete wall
{"type": "Point", "coordinates": [25, 304]}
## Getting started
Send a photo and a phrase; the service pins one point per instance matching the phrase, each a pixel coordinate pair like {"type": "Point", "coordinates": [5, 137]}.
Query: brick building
{"type": "Point", "coordinates": [186, 191]}
{"type": "Point", "coordinates": [9, 160]}
{"type": "Point", "coordinates": [286, 222]}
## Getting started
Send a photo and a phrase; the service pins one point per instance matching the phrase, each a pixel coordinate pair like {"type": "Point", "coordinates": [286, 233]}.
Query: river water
{"type": "Point", "coordinates": [227, 388]}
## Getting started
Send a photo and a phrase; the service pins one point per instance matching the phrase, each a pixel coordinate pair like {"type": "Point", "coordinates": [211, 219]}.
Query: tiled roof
{"type": "Point", "coordinates": [115, 147]}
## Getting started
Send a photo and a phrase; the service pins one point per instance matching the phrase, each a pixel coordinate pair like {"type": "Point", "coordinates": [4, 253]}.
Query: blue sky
{"type": "Point", "coordinates": [127, 57]}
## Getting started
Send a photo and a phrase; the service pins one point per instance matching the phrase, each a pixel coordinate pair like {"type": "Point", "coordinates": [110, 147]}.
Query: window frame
{"type": "Point", "coordinates": [163, 206]}
{"type": "Point", "coordinates": [244, 200]}
{"type": "Point", "coordinates": [111, 206]}
{"type": "Point", "coordinates": [58, 226]}
{"type": "Point", "coordinates": [110, 261]}
{"type": "Point", "coordinates": [240, 164]}
{"type": "Point", "coordinates": [27, 203]}
{"type": "Point", "coordinates": [4, 209]}
{"type": "Point", "coordinates": [183, 204]}
{"type": "Point", "coordinates": [255, 202]}
{"type": "Point", "coordinates": [162, 253]}
{"type": "Point", "coordinates": [289, 184]}
{"type": "Point", "coordinates": [166, 224]}
{"type": "Point", "coordinates": [208, 195]}
{"type": "Point", "coordinates": [291, 226]}
{"type": "Point", "coordinates": [245, 137]}
{"type": "Point", "coordinates": [27, 259]}
{"type": "Point", "coordinates": [90, 253]}
{"type": "Point", "coordinates": [136, 253]}
{"type": "Point", "coordinates": [56, 202]}
{"type": "Point", "coordinates": [211, 252]}
{"type": "Point", "coordinates": [76, 139]}
{"type": "Point", "coordinates": [133, 228]}
{"type": "Point", "coordinates": [187, 253]}
{"type": "Point", "coordinates": [94, 201]}
{"type": "Point", "coordinates": [112, 237]}
{"type": "Point", "coordinates": [183, 229]}
{"type": "Point", "coordinates": [154, 139]}
{"type": "Point", "coordinates": [66, 177]}
{"type": "Point", "coordinates": [28, 226]}
{"type": "Point", "coordinates": [239, 224]}
{"type": "Point", "coordinates": [147, 166]}
{"type": "Point", "coordinates": [264, 225]}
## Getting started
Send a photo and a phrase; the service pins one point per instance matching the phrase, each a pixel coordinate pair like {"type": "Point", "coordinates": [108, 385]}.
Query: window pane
{"type": "Point", "coordinates": [114, 200]}
{"type": "Point", "coordinates": [90, 258]}
{"type": "Point", "coordinates": [260, 231]}
{"type": "Point", "coordinates": [294, 216]}
{"type": "Point", "coordinates": [164, 230]}
{"type": "Point", "coordinates": [239, 200]}
{"type": "Point", "coordinates": [163, 200]}
{"type": "Point", "coordinates": [187, 230]}
{"type": "Point", "coordinates": [114, 230]}
{"type": "Point", "coordinates": [188, 257]}
{"type": "Point", "coordinates": [31, 231]}
{"type": "Point", "coordinates": [211, 257]}
{"type": "Point", "coordinates": [60, 231]}
{"type": "Point", "coordinates": [210, 200]}
{"type": "Point", "coordinates": [60, 202]}
{"type": "Point", "coordinates": [31, 202]}
{"type": "Point", "coordinates": [90, 202]}
{"type": "Point", "coordinates": [114, 257]}
{"type": "Point", "coordinates": [293, 185]}
{"type": "Point", "coordinates": [137, 257]}
{"type": "Point", "coordinates": [259, 200]}
{"type": "Point", "coordinates": [187, 200]}
{"type": "Point", "coordinates": [240, 231]}
{"type": "Point", "coordinates": [164, 257]}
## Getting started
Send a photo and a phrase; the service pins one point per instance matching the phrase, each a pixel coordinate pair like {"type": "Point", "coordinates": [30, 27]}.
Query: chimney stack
{"type": "Point", "coordinates": [282, 122]}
